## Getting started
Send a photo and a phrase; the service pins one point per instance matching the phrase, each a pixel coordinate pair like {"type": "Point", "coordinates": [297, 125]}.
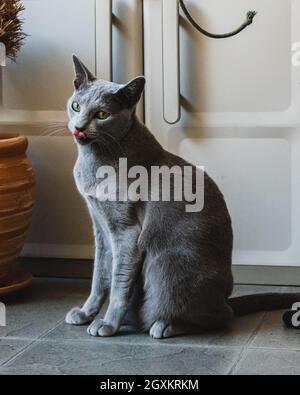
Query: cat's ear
{"type": "Point", "coordinates": [82, 73]}
{"type": "Point", "coordinates": [131, 93]}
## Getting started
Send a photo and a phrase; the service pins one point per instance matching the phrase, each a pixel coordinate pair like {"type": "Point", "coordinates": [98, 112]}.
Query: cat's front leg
{"type": "Point", "coordinates": [126, 262]}
{"type": "Point", "coordinates": [100, 286]}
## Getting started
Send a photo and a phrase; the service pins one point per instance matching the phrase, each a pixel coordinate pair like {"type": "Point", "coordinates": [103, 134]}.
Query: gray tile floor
{"type": "Point", "coordinates": [37, 341]}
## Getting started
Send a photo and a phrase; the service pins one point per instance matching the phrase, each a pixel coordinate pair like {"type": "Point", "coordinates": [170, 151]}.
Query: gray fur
{"type": "Point", "coordinates": [167, 270]}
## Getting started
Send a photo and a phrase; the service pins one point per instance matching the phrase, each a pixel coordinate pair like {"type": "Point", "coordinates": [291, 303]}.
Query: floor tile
{"type": "Point", "coordinates": [41, 307]}
{"type": "Point", "coordinates": [38, 313]}
{"type": "Point", "coordinates": [100, 358]}
{"type": "Point", "coordinates": [238, 334]}
{"type": "Point", "coordinates": [273, 334]}
{"type": "Point", "coordinates": [10, 347]}
{"type": "Point", "coordinates": [241, 290]}
{"type": "Point", "coordinates": [269, 362]}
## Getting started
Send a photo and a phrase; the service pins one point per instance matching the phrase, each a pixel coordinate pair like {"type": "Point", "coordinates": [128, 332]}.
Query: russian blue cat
{"type": "Point", "coordinates": [163, 269]}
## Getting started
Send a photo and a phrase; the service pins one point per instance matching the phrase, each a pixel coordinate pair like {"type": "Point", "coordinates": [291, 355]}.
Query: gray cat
{"type": "Point", "coordinates": [166, 270]}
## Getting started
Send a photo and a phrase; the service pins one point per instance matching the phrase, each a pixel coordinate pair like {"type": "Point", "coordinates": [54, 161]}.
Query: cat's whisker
{"type": "Point", "coordinates": [54, 133]}
{"type": "Point", "coordinates": [115, 141]}
{"type": "Point", "coordinates": [114, 147]}
{"type": "Point", "coordinates": [51, 124]}
{"type": "Point", "coordinates": [114, 152]}
{"type": "Point", "coordinates": [54, 129]}
{"type": "Point", "coordinates": [106, 146]}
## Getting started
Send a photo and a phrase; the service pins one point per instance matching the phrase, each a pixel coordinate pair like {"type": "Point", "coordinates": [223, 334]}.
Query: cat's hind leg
{"type": "Point", "coordinates": [162, 330]}
{"type": "Point", "coordinates": [179, 299]}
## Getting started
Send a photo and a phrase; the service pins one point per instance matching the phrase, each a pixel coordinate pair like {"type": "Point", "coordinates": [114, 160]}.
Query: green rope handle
{"type": "Point", "coordinates": [249, 20]}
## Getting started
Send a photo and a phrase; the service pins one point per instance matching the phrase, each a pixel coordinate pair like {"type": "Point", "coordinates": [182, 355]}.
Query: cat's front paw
{"type": "Point", "coordinates": [77, 317]}
{"type": "Point", "coordinates": [101, 328]}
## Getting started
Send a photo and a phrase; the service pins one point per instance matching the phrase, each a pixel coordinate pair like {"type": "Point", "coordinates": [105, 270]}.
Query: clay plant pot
{"type": "Point", "coordinates": [17, 187]}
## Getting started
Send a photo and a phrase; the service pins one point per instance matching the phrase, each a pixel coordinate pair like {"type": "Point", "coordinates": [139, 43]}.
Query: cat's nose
{"type": "Point", "coordinates": [82, 129]}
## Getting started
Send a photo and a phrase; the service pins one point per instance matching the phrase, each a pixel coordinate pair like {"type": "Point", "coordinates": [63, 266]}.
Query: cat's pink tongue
{"type": "Point", "coordinates": [78, 133]}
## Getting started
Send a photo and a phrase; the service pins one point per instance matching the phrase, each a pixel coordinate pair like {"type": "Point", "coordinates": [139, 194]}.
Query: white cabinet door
{"type": "Point", "coordinates": [34, 94]}
{"type": "Point", "coordinates": [233, 105]}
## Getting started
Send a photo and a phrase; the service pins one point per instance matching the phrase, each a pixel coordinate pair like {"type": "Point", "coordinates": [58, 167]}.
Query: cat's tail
{"type": "Point", "coordinates": [249, 304]}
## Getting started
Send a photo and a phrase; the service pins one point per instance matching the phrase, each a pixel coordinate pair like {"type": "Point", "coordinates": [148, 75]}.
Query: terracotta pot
{"type": "Point", "coordinates": [17, 186]}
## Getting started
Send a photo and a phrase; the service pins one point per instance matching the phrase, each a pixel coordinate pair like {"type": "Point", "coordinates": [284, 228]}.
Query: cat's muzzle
{"type": "Point", "coordinates": [81, 136]}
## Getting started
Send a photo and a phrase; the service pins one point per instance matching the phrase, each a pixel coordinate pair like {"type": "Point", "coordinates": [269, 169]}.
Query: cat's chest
{"type": "Point", "coordinates": [85, 175]}
{"type": "Point", "coordinates": [93, 180]}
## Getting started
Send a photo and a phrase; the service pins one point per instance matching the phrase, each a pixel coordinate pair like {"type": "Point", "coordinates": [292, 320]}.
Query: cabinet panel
{"type": "Point", "coordinates": [258, 191]}
{"type": "Point", "coordinates": [240, 114]}
{"type": "Point", "coordinates": [250, 72]}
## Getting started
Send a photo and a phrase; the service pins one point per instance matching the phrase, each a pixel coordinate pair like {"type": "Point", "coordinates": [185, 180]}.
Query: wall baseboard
{"type": "Point", "coordinates": [83, 268]}
{"type": "Point", "coordinates": [266, 275]}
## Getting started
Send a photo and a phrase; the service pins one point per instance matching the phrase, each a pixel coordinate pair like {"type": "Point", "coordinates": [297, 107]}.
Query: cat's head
{"type": "Point", "coordinates": [100, 108]}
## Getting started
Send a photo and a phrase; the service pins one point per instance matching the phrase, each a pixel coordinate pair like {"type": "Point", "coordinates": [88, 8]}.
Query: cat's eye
{"type": "Point", "coordinates": [76, 106]}
{"type": "Point", "coordinates": [102, 115]}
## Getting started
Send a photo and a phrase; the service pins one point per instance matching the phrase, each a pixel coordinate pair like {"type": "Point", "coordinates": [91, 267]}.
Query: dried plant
{"type": "Point", "coordinates": [11, 34]}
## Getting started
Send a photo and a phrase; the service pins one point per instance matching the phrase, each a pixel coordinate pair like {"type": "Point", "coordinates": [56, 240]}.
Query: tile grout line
{"type": "Point", "coordinates": [256, 330]}
{"type": "Point", "coordinates": [20, 352]}
{"type": "Point", "coordinates": [162, 343]}
{"type": "Point", "coordinates": [47, 332]}
{"type": "Point", "coordinates": [238, 360]}
{"type": "Point", "coordinates": [115, 341]}
{"type": "Point", "coordinates": [29, 345]}
{"type": "Point", "coordinates": [246, 346]}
